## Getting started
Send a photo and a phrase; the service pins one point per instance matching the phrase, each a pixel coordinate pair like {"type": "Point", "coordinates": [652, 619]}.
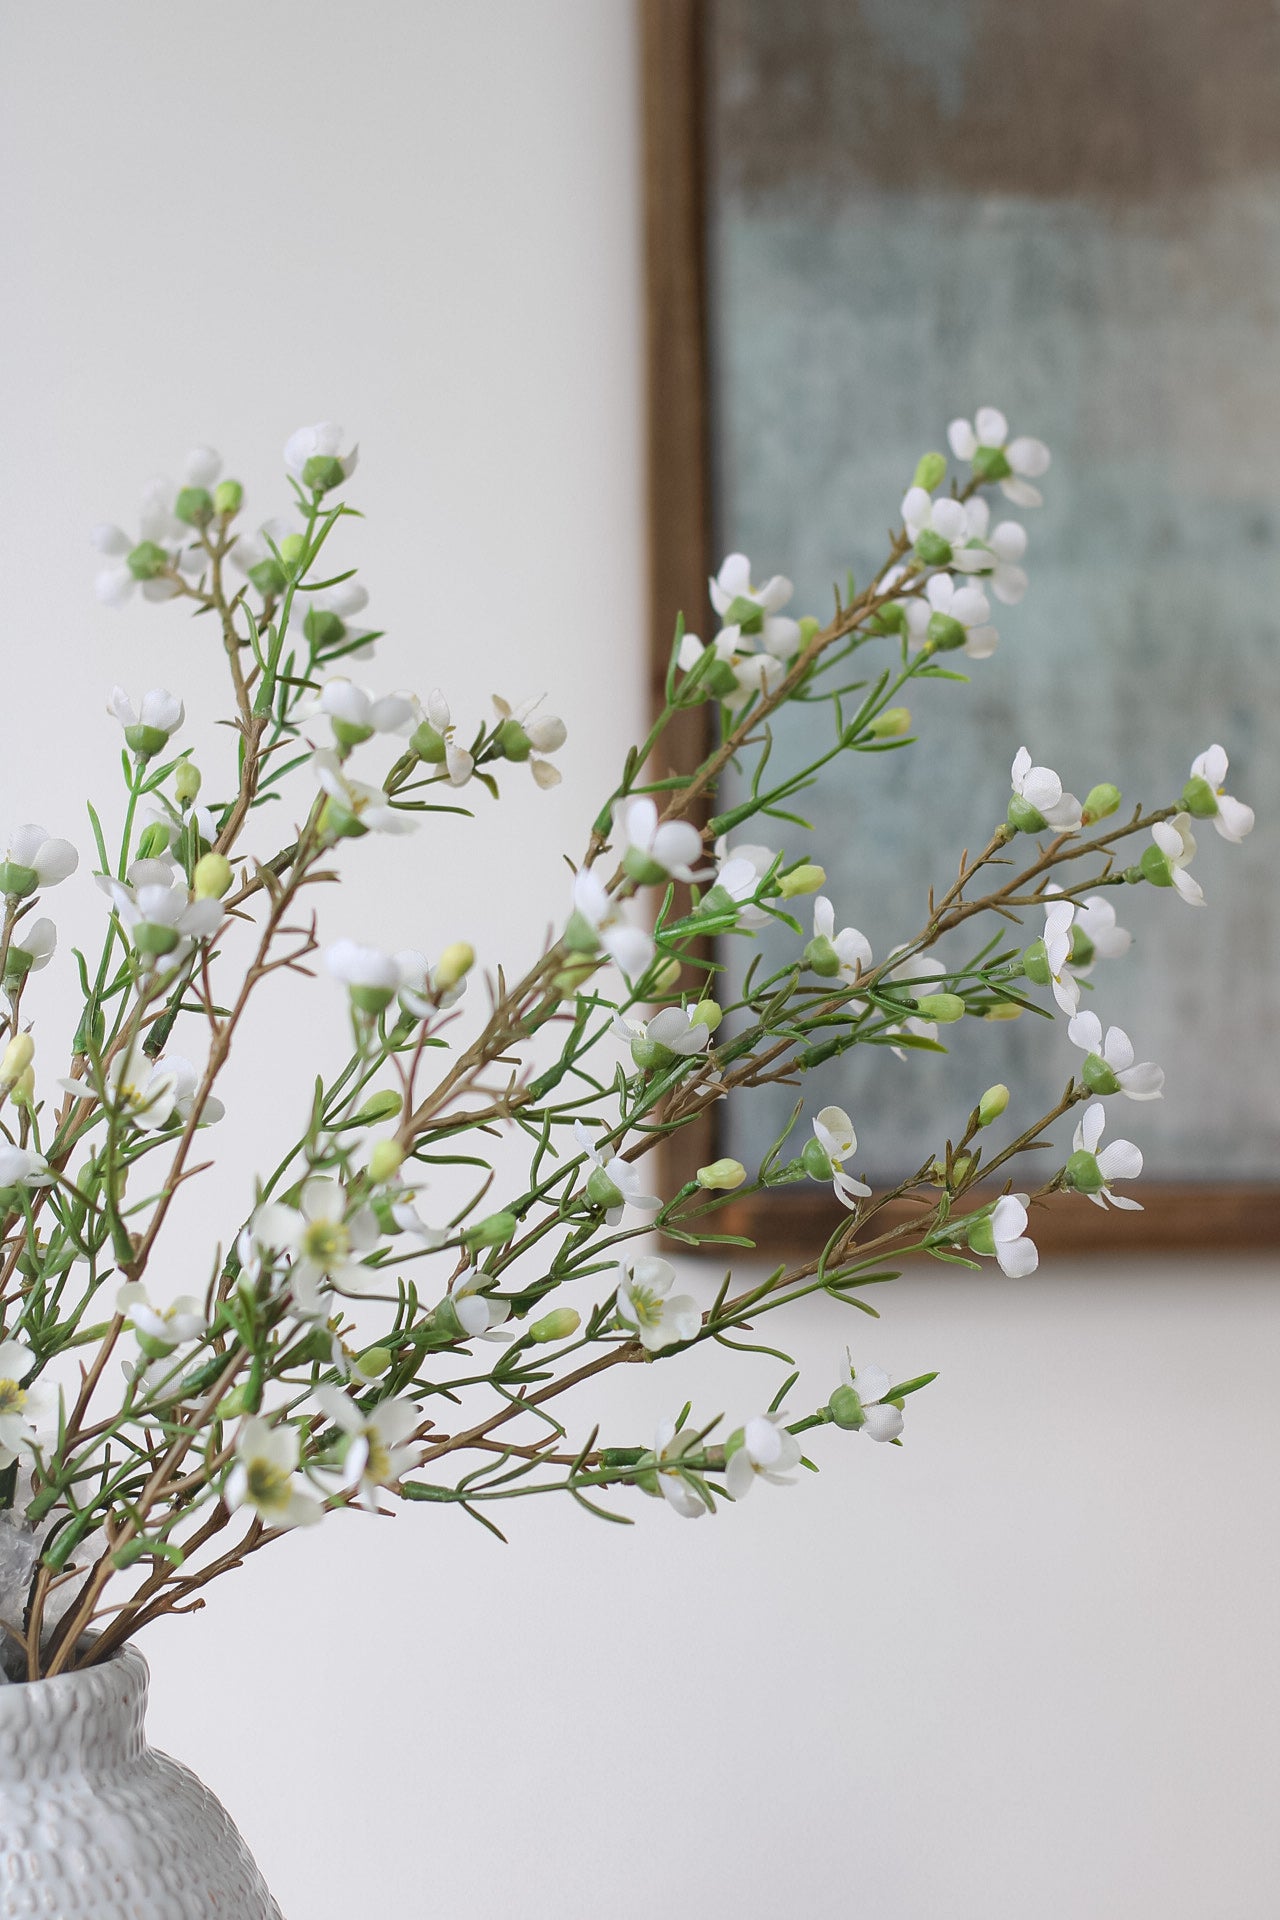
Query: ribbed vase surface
{"type": "Point", "coordinates": [94, 1825]}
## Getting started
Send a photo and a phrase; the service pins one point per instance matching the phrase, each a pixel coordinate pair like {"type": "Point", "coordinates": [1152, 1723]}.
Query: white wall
{"type": "Point", "coordinates": [1025, 1666]}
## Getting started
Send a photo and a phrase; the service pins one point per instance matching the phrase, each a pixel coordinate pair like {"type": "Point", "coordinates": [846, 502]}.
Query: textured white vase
{"type": "Point", "coordinates": [95, 1826]}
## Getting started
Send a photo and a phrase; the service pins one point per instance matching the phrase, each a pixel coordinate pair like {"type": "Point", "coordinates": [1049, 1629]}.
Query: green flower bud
{"type": "Point", "coordinates": [1004, 1010]}
{"type": "Point", "coordinates": [808, 627]}
{"type": "Point", "coordinates": [1100, 801]}
{"type": "Point", "coordinates": [643, 868]}
{"type": "Point", "coordinates": [493, 1231]}
{"type": "Point", "coordinates": [560, 1324]}
{"type": "Point", "coordinates": [292, 548]}
{"type": "Point", "coordinates": [990, 463]}
{"type": "Point", "coordinates": [147, 561]}
{"type": "Point", "coordinates": [323, 629]}
{"type": "Point", "coordinates": [16, 1059]}
{"type": "Point", "coordinates": [194, 506]}
{"type": "Point", "coordinates": [1035, 963]}
{"type": "Point", "coordinates": [454, 964]}
{"type": "Point", "coordinates": [149, 936]}
{"type": "Point", "coordinates": [385, 1161]}
{"type": "Point", "coordinates": [24, 1088]}
{"type": "Point", "coordinates": [992, 1104]}
{"type": "Point", "coordinates": [323, 472]}
{"type": "Point", "coordinates": [931, 470]}
{"type": "Point", "coordinates": [371, 999]}
{"type": "Point", "coordinates": [890, 618]}
{"type": "Point", "coordinates": [1098, 1076]}
{"type": "Point", "coordinates": [845, 1409]}
{"type": "Point", "coordinates": [1084, 1173]}
{"type": "Point", "coordinates": [891, 724]}
{"type": "Point", "coordinates": [512, 742]}
{"type": "Point", "coordinates": [1199, 798]}
{"type": "Point", "coordinates": [821, 957]}
{"type": "Point", "coordinates": [806, 878]}
{"type": "Point", "coordinates": [186, 782]}
{"type": "Point", "coordinates": [932, 550]}
{"type": "Point", "coordinates": [945, 633]}
{"type": "Point", "coordinates": [375, 1362]}
{"type": "Point", "coordinates": [269, 577]}
{"type": "Point", "coordinates": [212, 876]}
{"type": "Point", "coordinates": [228, 497]}
{"type": "Point", "coordinates": [17, 881]}
{"type": "Point", "coordinates": [601, 1191]}
{"type": "Point", "coordinates": [1022, 817]}
{"type": "Point", "coordinates": [715, 901]}
{"type": "Point", "coordinates": [722, 1175]}
{"type": "Point", "coordinates": [648, 1054]}
{"type": "Point", "coordinates": [815, 1160]}
{"type": "Point", "coordinates": [579, 935]}
{"type": "Point", "coordinates": [744, 613]}
{"type": "Point", "coordinates": [571, 978]}
{"type": "Point", "coordinates": [666, 975]}
{"type": "Point", "coordinates": [706, 1014]}
{"type": "Point", "coordinates": [1154, 866]}
{"type": "Point", "coordinates": [153, 841]}
{"type": "Point", "coordinates": [380, 1106]}
{"type": "Point", "coordinates": [942, 1007]}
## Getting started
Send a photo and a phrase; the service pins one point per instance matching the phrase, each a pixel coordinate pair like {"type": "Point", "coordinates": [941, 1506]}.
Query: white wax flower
{"type": "Point", "coordinates": [994, 552]}
{"type": "Point", "coordinates": [378, 1454]}
{"type": "Point", "coordinates": [480, 1314]}
{"type": "Point", "coordinates": [628, 944]}
{"type": "Point", "coordinates": [33, 859]}
{"type": "Point", "coordinates": [356, 714]}
{"type": "Point", "coordinates": [163, 542]}
{"type": "Point", "coordinates": [319, 444]}
{"type": "Point", "coordinates": [20, 1167]}
{"type": "Point", "coordinates": [1003, 1233]}
{"type": "Point", "coordinates": [358, 807]}
{"type": "Point", "coordinates": [756, 611]}
{"type": "Point", "coordinates": [1042, 790]}
{"type": "Point", "coordinates": [624, 1176]}
{"type": "Point", "coordinates": [1233, 819]}
{"type": "Point", "coordinates": [1096, 920]}
{"type": "Point", "coordinates": [1059, 916]}
{"type": "Point", "coordinates": [1177, 843]}
{"type": "Point", "coordinates": [833, 1131]}
{"type": "Point", "coordinates": [328, 1240]}
{"type": "Point", "coordinates": [265, 1476]}
{"type": "Point", "coordinates": [167, 1327]}
{"type": "Point", "coordinates": [1026, 458]}
{"type": "Point", "coordinates": [881, 1420]}
{"type": "Point", "coordinates": [673, 846]}
{"type": "Point", "coordinates": [768, 1452]}
{"type": "Point", "coordinates": [739, 871]}
{"type": "Point", "coordinates": [1143, 1081]}
{"type": "Point", "coordinates": [544, 734]}
{"type": "Point", "coordinates": [1119, 1160]}
{"type": "Point", "coordinates": [669, 1450]}
{"type": "Point", "coordinates": [645, 1302]}
{"type": "Point", "coordinates": [25, 1404]}
{"type": "Point", "coordinates": [921, 513]}
{"type": "Point", "coordinates": [852, 949]}
{"type": "Point", "coordinates": [967, 606]}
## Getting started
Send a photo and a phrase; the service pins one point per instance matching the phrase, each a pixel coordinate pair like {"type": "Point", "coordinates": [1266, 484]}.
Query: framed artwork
{"type": "Point", "coordinates": [863, 218]}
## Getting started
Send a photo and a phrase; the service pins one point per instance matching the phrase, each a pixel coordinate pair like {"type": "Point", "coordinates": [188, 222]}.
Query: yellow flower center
{"type": "Point", "coordinates": [12, 1397]}
{"type": "Point", "coordinates": [378, 1465]}
{"type": "Point", "coordinates": [326, 1243]}
{"type": "Point", "coordinates": [268, 1484]}
{"type": "Point", "coordinates": [646, 1306]}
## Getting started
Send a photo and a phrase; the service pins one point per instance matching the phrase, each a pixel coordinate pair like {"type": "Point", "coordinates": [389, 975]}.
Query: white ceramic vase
{"type": "Point", "coordinates": [95, 1826]}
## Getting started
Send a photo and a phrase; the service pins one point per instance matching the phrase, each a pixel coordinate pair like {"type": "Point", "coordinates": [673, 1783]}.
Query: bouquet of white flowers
{"type": "Point", "coordinates": [352, 1347]}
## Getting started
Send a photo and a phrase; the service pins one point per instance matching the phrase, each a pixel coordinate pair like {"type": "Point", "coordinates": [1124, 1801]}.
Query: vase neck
{"type": "Point", "coordinates": [89, 1722]}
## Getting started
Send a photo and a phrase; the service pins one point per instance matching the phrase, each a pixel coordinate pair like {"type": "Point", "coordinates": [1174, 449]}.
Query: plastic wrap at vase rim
{"type": "Point", "coordinates": [96, 1826]}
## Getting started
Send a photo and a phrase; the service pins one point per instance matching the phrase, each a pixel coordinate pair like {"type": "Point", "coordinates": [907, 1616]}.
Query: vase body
{"type": "Point", "coordinates": [96, 1826]}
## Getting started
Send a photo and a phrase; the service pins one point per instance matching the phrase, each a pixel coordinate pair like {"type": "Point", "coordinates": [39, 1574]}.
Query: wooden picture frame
{"type": "Point", "coordinates": [673, 51]}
